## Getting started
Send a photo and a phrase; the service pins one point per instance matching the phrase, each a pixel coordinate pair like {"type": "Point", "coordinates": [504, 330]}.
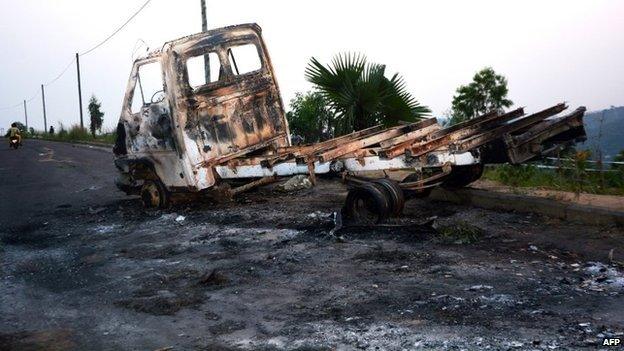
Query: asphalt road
{"type": "Point", "coordinates": [44, 176]}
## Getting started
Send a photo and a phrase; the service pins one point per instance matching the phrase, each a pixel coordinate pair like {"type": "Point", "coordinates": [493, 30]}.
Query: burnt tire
{"type": "Point", "coordinates": [394, 193]}
{"type": "Point", "coordinates": [154, 194]}
{"type": "Point", "coordinates": [461, 176]}
{"type": "Point", "coordinates": [367, 204]}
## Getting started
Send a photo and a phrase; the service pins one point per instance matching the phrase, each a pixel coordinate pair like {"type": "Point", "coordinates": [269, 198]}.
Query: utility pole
{"type": "Point", "coordinates": [26, 115]}
{"type": "Point", "coordinates": [205, 29]}
{"type": "Point", "coordinates": [79, 90]}
{"type": "Point", "coordinates": [45, 121]}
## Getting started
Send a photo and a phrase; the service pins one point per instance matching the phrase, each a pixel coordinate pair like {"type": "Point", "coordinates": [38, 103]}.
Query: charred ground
{"type": "Point", "coordinates": [85, 268]}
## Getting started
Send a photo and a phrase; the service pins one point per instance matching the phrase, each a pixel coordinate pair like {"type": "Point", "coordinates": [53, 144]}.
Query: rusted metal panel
{"type": "Point", "coordinates": [478, 125]}
{"type": "Point", "coordinates": [471, 122]}
{"type": "Point", "coordinates": [530, 144]}
{"type": "Point", "coordinates": [495, 133]}
{"type": "Point", "coordinates": [423, 135]}
{"type": "Point", "coordinates": [287, 153]}
{"type": "Point", "coordinates": [551, 127]}
{"type": "Point", "coordinates": [445, 138]}
{"type": "Point", "coordinates": [238, 110]}
{"type": "Point", "coordinates": [242, 153]}
{"type": "Point", "coordinates": [371, 140]}
{"type": "Point", "coordinates": [429, 126]}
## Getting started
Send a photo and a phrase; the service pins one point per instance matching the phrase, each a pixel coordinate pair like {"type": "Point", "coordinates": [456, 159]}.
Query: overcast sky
{"type": "Point", "coordinates": [550, 51]}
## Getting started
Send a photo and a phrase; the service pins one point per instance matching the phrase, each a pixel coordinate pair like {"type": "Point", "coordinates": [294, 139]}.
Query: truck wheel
{"type": "Point", "coordinates": [463, 175]}
{"type": "Point", "coordinates": [394, 193]}
{"type": "Point", "coordinates": [154, 194]}
{"type": "Point", "coordinates": [367, 204]}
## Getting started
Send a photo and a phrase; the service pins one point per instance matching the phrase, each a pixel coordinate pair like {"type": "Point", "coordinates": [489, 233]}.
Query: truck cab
{"type": "Point", "coordinates": [198, 100]}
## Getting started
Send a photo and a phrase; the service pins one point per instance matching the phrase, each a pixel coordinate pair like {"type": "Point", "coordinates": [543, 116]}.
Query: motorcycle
{"type": "Point", "coordinates": [14, 143]}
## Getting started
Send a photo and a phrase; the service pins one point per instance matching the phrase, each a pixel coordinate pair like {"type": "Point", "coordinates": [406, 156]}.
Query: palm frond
{"type": "Point", "coordinates": [361, 94]}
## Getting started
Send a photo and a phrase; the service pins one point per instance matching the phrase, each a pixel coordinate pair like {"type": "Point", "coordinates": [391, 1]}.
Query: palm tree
{"type": "Point", "coordinates": [361, 95]}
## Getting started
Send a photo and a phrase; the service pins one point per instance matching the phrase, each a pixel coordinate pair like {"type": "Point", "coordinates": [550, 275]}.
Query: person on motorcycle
{"type": "Point", "coordinates": [14, 132]}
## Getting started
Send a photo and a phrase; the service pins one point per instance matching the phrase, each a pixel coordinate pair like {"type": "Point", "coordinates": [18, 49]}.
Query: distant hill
{"type": "Point", "coordinates": [605, 131]}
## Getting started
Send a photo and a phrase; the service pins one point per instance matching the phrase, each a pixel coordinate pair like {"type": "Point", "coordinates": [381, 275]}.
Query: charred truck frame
{"type": "Point", "coordinates": [205, 113]}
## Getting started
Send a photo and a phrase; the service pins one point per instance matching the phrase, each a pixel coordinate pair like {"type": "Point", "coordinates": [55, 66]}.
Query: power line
{"type": "Point", "coordinates": [19, 104]}
{"type": "Point", "coordinates": [117, 30]}
{"type": "Point", "coordinates": [60, 74]}
{"type": "Point", "coordinates": [10, 107]}
{"type": "Point", "coordinates": [82, 54]}
{"type": "Point", "coordinates": [98, 45]}
{"type": "Point", "coordinates": [137, 47]}
{"type": "Point", "coordinates": [45, 85]}
{"type": "Point", "coordinates": [32, 98]}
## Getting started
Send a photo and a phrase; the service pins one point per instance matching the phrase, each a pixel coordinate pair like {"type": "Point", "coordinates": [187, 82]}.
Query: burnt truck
{"type": "Point", "coordinates": [204, 115]}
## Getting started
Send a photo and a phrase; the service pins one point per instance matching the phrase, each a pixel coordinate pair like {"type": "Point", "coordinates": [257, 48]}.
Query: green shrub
{"type": "Point", "coordinates": [76, 133]}
{"type": "Point", "coordinates": [62, 133]}
{"type": "Point", "coordinates": [460, 232]}
{"type": "Point", "coordinates": [574, 175]}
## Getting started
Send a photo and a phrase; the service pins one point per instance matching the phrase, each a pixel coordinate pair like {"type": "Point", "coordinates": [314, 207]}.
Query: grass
{"type": "Point", "coordinates": [574, 176]}
{"type": "Point", "coordinates": [76, 133]}
{"type": "Point", "coordinates": [459, 233]}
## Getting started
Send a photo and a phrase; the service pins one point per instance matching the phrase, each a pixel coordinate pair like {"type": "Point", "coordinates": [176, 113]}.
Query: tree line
{"type": "Point", "coordinates": [96, 119]}
{"type": "Point", "coordinates": [351, 94]}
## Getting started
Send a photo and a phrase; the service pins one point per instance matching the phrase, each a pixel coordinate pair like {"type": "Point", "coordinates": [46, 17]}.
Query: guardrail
{"type": "Point", "coordinates": [560, 163]}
